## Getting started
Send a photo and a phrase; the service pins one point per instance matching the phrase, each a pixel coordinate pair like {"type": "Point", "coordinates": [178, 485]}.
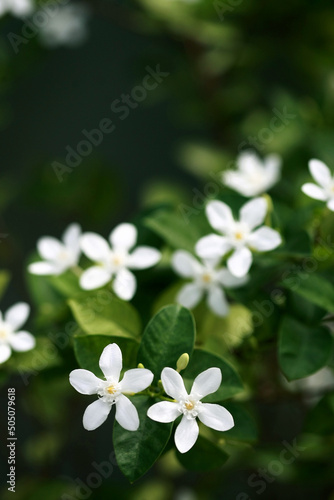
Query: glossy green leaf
{"type": "Point", "coordinates": [303, 349]}
{"type": "Point", "coordinates": [101, 313]}
{"type": "Point", "coordinates": [204, 456]}
{"type": "Point", "coordinates": [170, 333]}
{"type": "Point", "coordinates": [137, 451]}
{"type": "Point", "coordinates": [202, 360]}
{"type": "Point", "coordinates": [244, 429]}
{"type": "Point", "coordinates": [88, 349]}
{"type": "Point", "coordinates": [311, 287]}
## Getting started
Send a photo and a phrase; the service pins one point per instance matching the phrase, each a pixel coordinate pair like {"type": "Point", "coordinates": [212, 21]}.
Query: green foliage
{"type": "Point", "coordinates": [137, 451]}
{"type": "Point", "coordinates": [204, 456]}
{"type": "Point", "coordinates": [303, 350]}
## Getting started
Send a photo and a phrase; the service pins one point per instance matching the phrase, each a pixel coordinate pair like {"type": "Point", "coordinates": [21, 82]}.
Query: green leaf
{"type": "Point", "coordinates": [67, 284]}
{"type": "Point", "coordinates": [170, 333]}
{"type": "Point", "coordinates": [101, 313]}
{"type": "Point", "coordinates": [202, 360]}
{"type": "Point", "coordinates": [204, 456]}
{"type": "Point", "coordinates": [320, 420]}
{"type": "Point", "coordinates": [137, 451]}
{"type": "Point", "coordinates": [312, 287]}
{"type": "Point", "coordinates": [303, 350]}
{"type": "Point", "coordinates": [88, 349]}
{"type": "Point", "coordinates": [180, 229]}
{"type": "Point", "coordinates": [4, 280]}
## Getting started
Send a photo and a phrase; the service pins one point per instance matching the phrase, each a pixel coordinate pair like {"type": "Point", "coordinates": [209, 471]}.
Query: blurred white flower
{"type": "Point", "coordinates": [240, 236]}
{"type": "Point", "coordinates": [206, 278]}
{"type": "Point", "coordinates": [115, 261]}
{"type": "Point", "coordinates": [190, 406]}
{"type": "Point", "coordinates": [324, 189]}
{"type": "Point", "coordinates": [111, 391]}
{"type": "Point", "coordinates": [313, 387]}
{"type": "Point", "coordinates": [253, 175]}
{"type": "Point", "coordinates": [11, 337]}
{"type": "Point", "coordinates": [19, 8]}
{"type": "Point", "coordinates": [67, 26]}
{"type": "Point", "coordinates": [59, 256]}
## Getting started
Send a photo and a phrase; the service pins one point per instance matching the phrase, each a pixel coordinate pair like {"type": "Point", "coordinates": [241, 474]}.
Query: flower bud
{"type": "Point", "coordinates": [182, 362]}
{"type": "Point", "coordinates": [140, 365]}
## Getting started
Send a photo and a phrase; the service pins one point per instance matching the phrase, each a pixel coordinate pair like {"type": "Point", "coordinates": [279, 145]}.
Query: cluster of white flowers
{"type": "Point", "coordinates": [112, 262]}
{"type": "Point", "coordinates": [11, 337]}
{"type": "Point", "coordinates": [112, 391]}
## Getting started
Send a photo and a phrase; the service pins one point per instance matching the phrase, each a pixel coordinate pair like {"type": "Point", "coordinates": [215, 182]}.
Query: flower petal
{"type": "Point", "coordinates": [185, 264]}
{"type": "Point", "coordinates": [207, 382]}
{"type": "Point", "coordinates": [190, 295]}
{"type": "Point", "coordinates": [240, 262]}
{"type": "Point", "coordinates": [264, 239]}
{"type": "Point", "coordinates": [71, 238]}
{"type": "Point", "coordinates": [22, 341]}
{"type": "Point", "coordinates": [49, 248]}
{"type": "Point", "coordinates": [330, 205]}
{"type": "Point", "coordinates": [84, 381]}
{"type": "Point", "coordinates": [136, 380]}
{"type": "Point", "coordinates": [217, 301]}
{"type": "Point", "coordinates": [94, 277]}
{"type": "Point", "coordinates": [164, 412]}
{"type": "Point", "coordinates": [314, 191]}
{"type": "Point", "coordinates": [320, 172]}
{"type": "Point", "coordinates": [123, 237]}
{"type": "Point", "coordinates": [254, 212]}
{"type": "Point", "coordinates": [216, 417]}
{"type": "Point", "coordinates": [144, 257]}
{"type": "Point", "coordinates": [219, 215]}
{"type": "Point", "coordinates": [5, 352]}
{"type": "Point", "coordinates": [94, 247]}
{"type": "Point", "coordinates": [111, 361]}
{"type": "Point", "coordinates": [173, 384]}
{"type": "Point", "coordinates": [273, 165]}
{"type": "Point", "coordinates": [212, 246]}
{"type": "Point", "coordinates": [45, 268]}
{"type": "Point", "coordinates": [17, 315]}
{"type": "Point", "coordinates": [125, 284]}
{"type": "Point", "coordinates": [186, 434]}
{"type": "Point", "coordinates": [126, 413]}
{"type": "Point", "coordinates": [228, 280]}
{"type": "Point", "coordinates": [95, 415]}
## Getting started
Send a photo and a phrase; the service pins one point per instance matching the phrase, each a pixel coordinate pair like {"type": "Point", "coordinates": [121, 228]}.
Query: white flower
{"type": "Point", "coordinates": [16, 7]}
{"type": "Point", "coordinates": [115, 261]}
{"type": "Point", "coordinates": [111, 391]}
{"type": "Point", "coordinates": [324, 191]}
{"type": "Point", "coordinates": [67, 26]}
{"type": "Point", "coordinates": [241, 236]}
{"type": "Point", "coordinates": [207, 278]}
{"type": "Point", "coordinates": [190, 406]}
{"type": "Point", "coordinates": [59, 256]}
{"type": "Point", "coordinates": [253, 175]}
{"type": "Point", "coordinates": [10, 337]}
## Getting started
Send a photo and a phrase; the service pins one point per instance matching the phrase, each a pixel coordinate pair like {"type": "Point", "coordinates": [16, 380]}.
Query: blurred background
{"type": "Point", "coordinates": [184, 86]}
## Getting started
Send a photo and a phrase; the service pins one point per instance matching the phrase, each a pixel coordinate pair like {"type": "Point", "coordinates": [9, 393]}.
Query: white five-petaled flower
{"type": "Point", "coordinates": [253, 175]}
{"type": "Point", "coordinates": [66, 26]}
{"type": "Point", "coordinates": [115, 261]}
{"type": "Point", "coordinates": [190, 406]}
{"type": "Point", "coordinates": [206, 278]}
{"type": "Point", "coordinates": [10, 337]}
{"type": "Point", "coordinates": [111, 391]}
{"type": "Point", "coordinates": [16, 7]}
{"type": "Point", "coordinates": [59, 256]}
{"type": "Point", "coordinates": [240, 236]}
{"type": "Point", "coordinates": [324, 191]}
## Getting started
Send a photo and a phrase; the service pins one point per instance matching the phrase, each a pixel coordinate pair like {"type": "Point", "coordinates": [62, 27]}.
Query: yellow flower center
{"type": "Point", "coordinates": [189, 405]}
{"type": "Point", "coordinates": [207, 278]}
{"type": "Point", "coordinates": [239, 236]}
{"type": "Point", "coordinates": [111, 389]}
{"type": "Point", "coordinates": [3, 334]}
